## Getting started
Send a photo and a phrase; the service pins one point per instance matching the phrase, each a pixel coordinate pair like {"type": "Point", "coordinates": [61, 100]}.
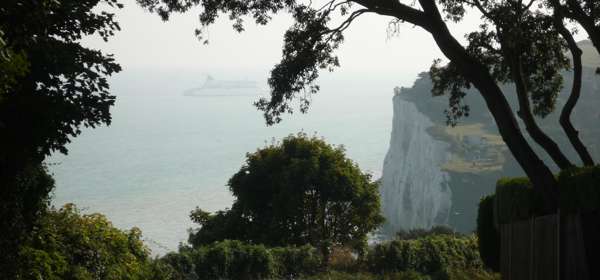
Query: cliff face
{"type": "Point", "coordinates": [434, 174]}
{"type": "Point", "coordinates": [415, 192]}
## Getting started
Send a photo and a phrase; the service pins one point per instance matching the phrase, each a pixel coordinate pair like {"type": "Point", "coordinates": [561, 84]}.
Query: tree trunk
{"type": "Point", "coordinates": [538, 172]}
{"type": "Point", "coordinates": [565, 115]}
{"type": "Point", "coordinates": [528, 119]}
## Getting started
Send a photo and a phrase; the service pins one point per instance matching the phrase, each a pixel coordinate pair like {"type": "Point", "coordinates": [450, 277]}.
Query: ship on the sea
{"type": "Point", "coordinates": [223, 87]}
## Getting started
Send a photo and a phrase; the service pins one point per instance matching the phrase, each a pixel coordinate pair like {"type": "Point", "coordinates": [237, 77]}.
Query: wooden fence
{"type": "Point", "coordinates": [552, 247]}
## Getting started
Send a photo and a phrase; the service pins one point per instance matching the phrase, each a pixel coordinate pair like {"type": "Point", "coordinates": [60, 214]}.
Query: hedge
{"type": "Point", "coordinates": [434, 257]}
{"type": "Point", "coordinates": [515, 199]}
{"type": "Point", "coordinates": [579, 189]}
{"type": "Point", "coordinates": [292, 262]}
{"type": "Point", "coordinates": [488, 235]}
{"type": "Point", "coordinates": [428, 255]}
{"type": "Point", "coordinates": [232, 259]}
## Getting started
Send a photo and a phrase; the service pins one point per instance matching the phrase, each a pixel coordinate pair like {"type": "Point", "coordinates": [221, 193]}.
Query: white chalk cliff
{"type": "Point", "coordinates": [414, 189]}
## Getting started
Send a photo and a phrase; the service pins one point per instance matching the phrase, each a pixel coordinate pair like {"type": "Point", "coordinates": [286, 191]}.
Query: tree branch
{"type": "Point", "coordinates": [346, 23]}
{"type": "Point", "coordinates": [507, 33]}
{"type": "Point", "coordinates": [528, 119]}
{"type": "Point", "coordinates": [397, 10]}
{"type": "Point", "coordinates": [575, 12]}
{"type": "Point", "coordinates": [478, 74]}
{"type": "Point", "coordinates": [565, 115]}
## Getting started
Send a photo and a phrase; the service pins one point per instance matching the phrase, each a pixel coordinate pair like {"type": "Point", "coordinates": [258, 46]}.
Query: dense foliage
{"type": "Point", "coordinates": [430, 257]}
{"type": "Point", "coordinates": [231, 259]}
{"type": "Point", "coordinates": [12, 66]}
{"type": "Point", "coordinates": [66, 84]}
{"type": "Point", "coordinates": [68, 245]}
{"type": "Point", "coordinates": [300, 191]}
{"type": "Point", "coordinates": [50, 86]}
{"type": "Point", "coordinates": [450, 274]}
{"type": "Point", "coordinates": [23, 200]}
{"type": "Point", "coordinates": [516, 200]}
{"type": "Point", "coordinates": [419, 232]}
{"type": "Point", "coordinates": [578, 188]}
{"type": "Point", "coordinates": [488, 236]}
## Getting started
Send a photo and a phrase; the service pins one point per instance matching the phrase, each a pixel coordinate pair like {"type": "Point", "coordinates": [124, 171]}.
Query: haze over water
{"type": "Point", "coordinates": [166, 153]}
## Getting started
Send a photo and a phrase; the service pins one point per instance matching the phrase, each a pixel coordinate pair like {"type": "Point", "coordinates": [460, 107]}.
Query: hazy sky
{"type": "Point", "coordinates": [148, 44]}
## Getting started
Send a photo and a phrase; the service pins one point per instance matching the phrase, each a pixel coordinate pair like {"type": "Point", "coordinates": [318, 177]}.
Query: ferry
{"type": "Point", "coordinates": [222, 87]}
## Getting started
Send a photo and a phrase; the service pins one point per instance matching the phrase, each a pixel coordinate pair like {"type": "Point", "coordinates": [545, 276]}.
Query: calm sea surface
{"type": "Point", "coordinates": [166, 153]}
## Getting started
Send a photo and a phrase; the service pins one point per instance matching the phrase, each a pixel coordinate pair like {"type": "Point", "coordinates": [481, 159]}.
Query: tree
{"type": "Point", "coordinates": [567, 111]}
{"type": "Point", "coordinates": [222, 225]}
{"type": "Point", "coordinates": [69, 245]}
{"type": "Point", "coordinates": [12, 66]}
{"type": "Point", "coordinates": [65, 86]}
{"type": "Point", "coordinates": [310, 43]}
{"type": "Point", "coordinates": [50, 86]}
{"type": "Point", "coordinates": [584, 12]}
{"type": "Point", "coordinates": [300, 191]}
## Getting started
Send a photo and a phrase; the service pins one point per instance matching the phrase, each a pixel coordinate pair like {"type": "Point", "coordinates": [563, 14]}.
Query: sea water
{"type": "Point", "coordinates": [165, 153]}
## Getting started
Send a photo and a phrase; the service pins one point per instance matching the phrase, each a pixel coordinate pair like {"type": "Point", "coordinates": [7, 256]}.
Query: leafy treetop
{"type": "Point", "coordinates": [65, 86]}
{"type": "Point", "coordinates": [301, 191]}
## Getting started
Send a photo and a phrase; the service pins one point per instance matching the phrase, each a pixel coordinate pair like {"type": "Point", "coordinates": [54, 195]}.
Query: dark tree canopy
{"type": "Point", "coordinates": [518, 41]}
{"type": "Point", "coordinates": [300, 191]}
{"type": "Point", "coordinates": [519, 46]}
{"type": "Point", "coordinates": [12, 66]}
{"type": "Point", "coordinates": [584, 12]}
{"type": "Point", "coordinates": [499, 41]}
{"type": "Point", "coordinates": [65, 86]}
{"type": "Point", "coordinates": [50, 86]}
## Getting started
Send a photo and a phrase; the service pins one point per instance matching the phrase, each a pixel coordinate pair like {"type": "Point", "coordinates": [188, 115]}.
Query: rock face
{"type": "Point", "coordinates": [434, 174]}
{"type": "Point", "coordinates": [414, 189]}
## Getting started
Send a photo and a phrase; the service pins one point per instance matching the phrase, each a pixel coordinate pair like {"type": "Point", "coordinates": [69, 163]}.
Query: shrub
{"type": "Point", "coordinates": [294, 261]}
{"type": "Point", "coordinates": [181, 264]}
{"type": "Point", "coordinates": [426, 255]}
{"type": "Point", "coordinates": [514, 200]}
{"type": "Point", "coordinates": [465, 274]}
{"type": "Point", "coordinates": [339, 275]}
{"type": "Point", "coordinates": [434, 257]}
{"type": "Point", "coordinates": [418, 233]}
{"type": "Point", "coordinates": [487, 233]}
{"type": "Point", "coordinates": [579, 189]}
{"type": "Point", "coordinates": [68, 245]}
{"type": "Point", "coordinates": [232, 259]}
{"type": "Point", "coordinates": [342, 258]}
